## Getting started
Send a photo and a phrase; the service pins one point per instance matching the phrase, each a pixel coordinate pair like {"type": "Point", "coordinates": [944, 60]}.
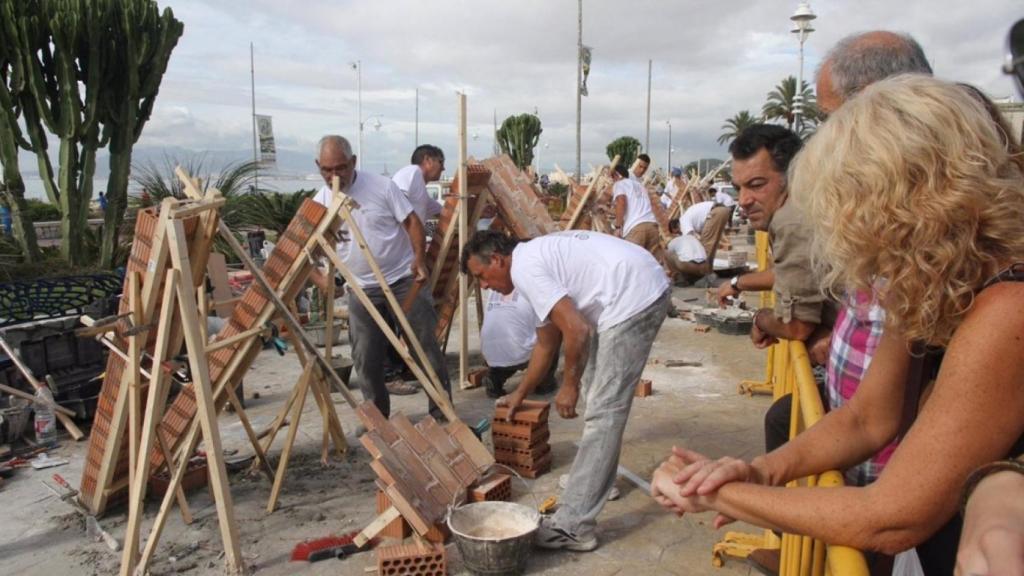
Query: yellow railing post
{"type": "Point", "coordinates": [752, 387]}
{"type": "Point", "coordinates": [790, 372]}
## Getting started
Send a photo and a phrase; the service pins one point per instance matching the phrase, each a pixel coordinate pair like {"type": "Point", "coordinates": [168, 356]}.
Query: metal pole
{"type": "Point", "coordinates": [669, 147]}
{"type": "Point", "coordinates": [359, 112]}
{"type": "Point", "coordinates": [798, 95]}
{"type": "Point", "coordinates": [417, 118]}
{"type": "Point", "coordinates": [463, 192]}
{"type": "Point", "coordinates": [647, 139]}
{"type": "Point", "coordinates": [579, 81]}
{"type": "Point", "coordinates": [255, 141]}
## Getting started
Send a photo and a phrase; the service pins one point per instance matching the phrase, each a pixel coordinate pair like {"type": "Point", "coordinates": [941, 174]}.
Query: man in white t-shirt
{"type": "Point", "coordinates": [507, 339]}
{"type": "Point", "coordinates": [634, 217]}
{"type": "Point", "coordinates": [672, 187]}
{"type": "Point", "coordinates": [394, 236]}
{"type": "Point", "coordinates": [426, 166]}
{"type": "Point", "coordinates": [607, 299]}
{"type": "Point", "coordinates": [706, 221]}
{"type": "Point", "coordinates": [685, 256]}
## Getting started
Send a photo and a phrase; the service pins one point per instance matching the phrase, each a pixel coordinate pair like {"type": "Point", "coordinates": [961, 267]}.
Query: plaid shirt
{"type": "Point", "coordinates": [855, 337]}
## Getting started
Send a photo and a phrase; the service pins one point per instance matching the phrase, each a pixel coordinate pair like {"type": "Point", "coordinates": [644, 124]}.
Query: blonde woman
{"type": "Point", "coordinates": [924, 206]}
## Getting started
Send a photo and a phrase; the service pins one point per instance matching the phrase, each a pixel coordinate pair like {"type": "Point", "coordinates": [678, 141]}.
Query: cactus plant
{"type": "Point", "coordinates": [518, 137]}
{"type": "Point", "coordinates": [146, 37]}
{"type": "Point", "coordinates": [91, 72]}
{"type": "Point", "coordinates": [12, 191]}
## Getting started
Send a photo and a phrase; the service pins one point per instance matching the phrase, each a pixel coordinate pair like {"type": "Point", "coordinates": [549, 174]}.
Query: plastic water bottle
{"type": "Point", "coordinates": [46, 421]}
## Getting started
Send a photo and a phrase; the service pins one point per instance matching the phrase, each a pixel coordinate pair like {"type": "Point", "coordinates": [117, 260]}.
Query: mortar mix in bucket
{"type": "Point", "coordinates": [494, 538]}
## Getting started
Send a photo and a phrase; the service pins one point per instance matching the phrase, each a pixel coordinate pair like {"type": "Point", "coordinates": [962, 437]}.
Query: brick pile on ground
{"type": "Point", "coordinates": [522, 444]}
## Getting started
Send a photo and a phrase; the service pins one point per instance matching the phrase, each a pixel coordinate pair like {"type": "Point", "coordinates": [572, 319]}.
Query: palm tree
{"type": "Point", "coordinates": [271, 210]}
{"type": "Point", "coordinates": [159, 181]}
{"type": "Point", "coordinates": [736, 125]}
{"type": "Point", "coordinates": [781, 104]}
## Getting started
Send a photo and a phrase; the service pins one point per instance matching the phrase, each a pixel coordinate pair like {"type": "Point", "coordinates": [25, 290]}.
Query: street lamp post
{"type": "Point", "coordinates": [669, 124]}
{"type": "Point", "coordinates": [358, 67]}
{"type": "Point", "coordinates": [802, 28]}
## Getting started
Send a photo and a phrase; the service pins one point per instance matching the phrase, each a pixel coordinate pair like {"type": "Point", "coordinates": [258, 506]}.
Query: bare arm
{"type": "Point", "coordinates": [418, 237]}
{"type": "Point", "coordinates": [549, 339]}
{"type": "Point", "coordinates": [576, 333]}
{"type": "Point", "coordinates": [753, 282]}
{"type": "Point", "coordinates": [620, 212]}
{"type": "Point", "coordinates": [973, 416]}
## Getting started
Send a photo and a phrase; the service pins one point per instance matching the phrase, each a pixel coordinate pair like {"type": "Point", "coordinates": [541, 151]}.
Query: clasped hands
{"type": "Point", "coordinates": [688, 482]}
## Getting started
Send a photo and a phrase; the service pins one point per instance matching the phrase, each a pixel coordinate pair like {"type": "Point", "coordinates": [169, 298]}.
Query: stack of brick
{"type": "Point", "coordinates": [522, 444]}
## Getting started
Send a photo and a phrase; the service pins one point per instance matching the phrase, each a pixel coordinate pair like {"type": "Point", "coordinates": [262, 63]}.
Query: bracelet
{"type": "Point", "coordinates": [988, 469]}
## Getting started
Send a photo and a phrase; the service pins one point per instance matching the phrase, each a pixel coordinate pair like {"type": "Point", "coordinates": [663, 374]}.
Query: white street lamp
{"type": "Point", "coordinates": [802, 28]}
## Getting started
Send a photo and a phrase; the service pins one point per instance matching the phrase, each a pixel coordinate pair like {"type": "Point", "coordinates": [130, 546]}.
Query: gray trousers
{"type": "Point", "coordinates": [370, 346]}
{"type": "Point", "coordinates": [617, 359]}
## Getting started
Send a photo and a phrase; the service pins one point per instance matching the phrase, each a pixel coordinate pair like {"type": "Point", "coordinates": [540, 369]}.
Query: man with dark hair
{"type": "Point", "coordinates": [685, 256]}
{"type": "Point", "coordinates": [643, 162]}
{"type": "Point", "coordinates": [606, 299]}
{"type": "Point", "coordinates": [634, 216]}
{"type": "Point", "coordinates": [426, 166]}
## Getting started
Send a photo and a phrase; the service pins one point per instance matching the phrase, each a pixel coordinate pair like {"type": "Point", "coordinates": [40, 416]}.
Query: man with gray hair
{"type": "Point", "coordinates": [395, 239]}
{"type": "Point", "coordinates": [863, 59]}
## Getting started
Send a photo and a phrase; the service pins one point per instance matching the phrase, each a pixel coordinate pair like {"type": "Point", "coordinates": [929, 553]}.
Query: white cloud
{"type": "Point", "coordinates": [710, 60]}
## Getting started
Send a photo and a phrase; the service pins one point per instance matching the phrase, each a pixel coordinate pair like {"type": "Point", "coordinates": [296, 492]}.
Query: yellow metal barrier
{"type": "Point", "coordinates": [767, 386]}
{"type": "Point", "coordinates": [800, 555]}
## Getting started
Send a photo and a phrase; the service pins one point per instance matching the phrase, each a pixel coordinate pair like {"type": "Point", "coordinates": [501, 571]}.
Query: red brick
{"type": "Point", "coordinates": [529, 412]}
{"type": "Point", "coordinates": [505, 441]}
{"type": "Point", "coordinates": [528, 458]}
{"type": "Point", "coordinates": [541, 467]}
{"type": "Point", "coordinates": [644, 388]}
{"type": "Point", "coordinates": [525, 431]}
{"type": "Point", "coordinates": [496, 487]}
{"type": "Point", "coordinates": [398, 528]}
{"type": "Point", "coordinates": [411, 560]}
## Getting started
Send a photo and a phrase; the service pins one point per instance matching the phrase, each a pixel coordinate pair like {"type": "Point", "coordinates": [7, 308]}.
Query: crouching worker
{"type": "Point", "coordinates": [507, 339]}
{"type": "Point", "coordinates": [607, 299]}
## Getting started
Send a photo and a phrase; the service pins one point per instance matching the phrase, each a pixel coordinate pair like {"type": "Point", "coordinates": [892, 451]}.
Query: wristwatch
{"type": "Point", "coordinates": [735, 283]}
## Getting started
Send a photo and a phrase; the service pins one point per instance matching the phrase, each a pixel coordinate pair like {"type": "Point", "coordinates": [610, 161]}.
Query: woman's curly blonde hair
{"type": "Point", "coordinates": [911, 186]}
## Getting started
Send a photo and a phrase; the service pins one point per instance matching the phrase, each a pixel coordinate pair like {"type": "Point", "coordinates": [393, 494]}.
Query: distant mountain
{"type": "Point", "coordinates": [290, 163]}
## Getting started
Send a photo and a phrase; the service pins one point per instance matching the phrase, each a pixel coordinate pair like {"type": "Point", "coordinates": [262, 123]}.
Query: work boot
{"type": "Point", "coordinates": [765, 560]}
{"type": "Point", "coordinates": [401, 388]}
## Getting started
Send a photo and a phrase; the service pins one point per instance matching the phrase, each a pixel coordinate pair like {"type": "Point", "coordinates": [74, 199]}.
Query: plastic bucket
{"type": "Point", "coordinates": [494, 538]}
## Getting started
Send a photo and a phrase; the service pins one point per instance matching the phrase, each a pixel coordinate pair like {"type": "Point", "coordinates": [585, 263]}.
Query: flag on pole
{"type": "Point", "coordinates": [268, 151]}
{"type": "Point", "coordinates": [585, 59]}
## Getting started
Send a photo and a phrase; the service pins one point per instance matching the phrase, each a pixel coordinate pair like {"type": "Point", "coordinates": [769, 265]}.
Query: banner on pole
{"type": "Point", "coordinates": [265, 129]}
{"type": "Point", "coordinates": [585, 59]}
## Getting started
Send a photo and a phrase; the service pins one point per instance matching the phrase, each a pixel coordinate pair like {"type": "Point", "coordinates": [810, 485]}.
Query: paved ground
{"type": "Point", "coordinates": [695, 406]}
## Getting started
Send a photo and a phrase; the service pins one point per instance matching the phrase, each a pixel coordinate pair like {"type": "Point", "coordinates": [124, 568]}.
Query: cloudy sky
{"type": "Point", "coordinates": [710, 60]}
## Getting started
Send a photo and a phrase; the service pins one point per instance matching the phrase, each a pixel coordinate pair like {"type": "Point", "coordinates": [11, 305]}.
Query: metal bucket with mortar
{"type": "Point", "coordinates": [494, 538]}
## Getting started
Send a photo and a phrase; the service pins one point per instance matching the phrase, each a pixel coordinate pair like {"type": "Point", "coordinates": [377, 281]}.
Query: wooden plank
{"type": "Point", "coordinates": [136, 343]}
{"type": "Point", "coordinates": [574, 219]}
{"type": "Point", "coordinates": [155, 402]}
{"type": "Point", "coordinates": [218, 344]}
{"type": "Point", "coordinates": [431, 385]}
{"type": "Point", "coordinates": [434, 391]}
{"type": "Point", "coordinates": [293, 429]}
{"type": "Point", "coordinates": [64, 419]}
{"type": "Point", "coordinates": [379, 523]}
{"type": "Point", "coordinates": [463, 238]}
{"type": "Point", "coordinates": [207, 413]}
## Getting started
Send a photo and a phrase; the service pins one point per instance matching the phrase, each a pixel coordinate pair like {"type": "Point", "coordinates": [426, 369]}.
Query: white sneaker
{"type": "Point", "coordinates": [563, 483]}
{"type": "Point", "coordinates": [556, 539]}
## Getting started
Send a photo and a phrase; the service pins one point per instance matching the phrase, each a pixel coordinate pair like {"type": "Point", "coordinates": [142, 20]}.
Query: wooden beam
{"type": "Point", "coordinates": [218, 344]}
{"type": "Point", "coordinates": [282, 463]}
{"type": "Point", "coordinates": [379, 523]}
{"type": "Point", "coordinates": [575, 218]}
{"type": "Point", "coordinates": [156, 400]}
{"type": "Point", "coordinates": [206, 410]}
{"type": "Point", "coordinates": [61, 414]}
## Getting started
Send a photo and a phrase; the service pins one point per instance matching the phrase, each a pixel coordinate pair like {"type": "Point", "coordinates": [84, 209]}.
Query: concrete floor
{"type": "Point", "coordinates": [693, 406]}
